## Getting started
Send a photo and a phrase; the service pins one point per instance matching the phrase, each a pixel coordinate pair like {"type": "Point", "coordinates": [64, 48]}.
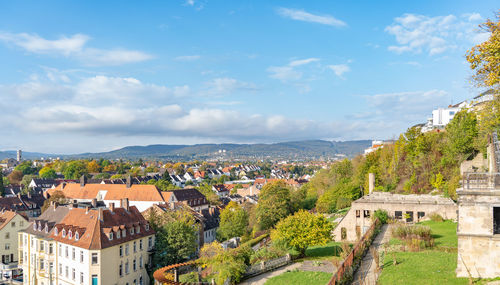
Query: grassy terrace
{"type": "Point", "coordinates": [435, 266]}
{"type": "Point", "coordinates": [300, 277]}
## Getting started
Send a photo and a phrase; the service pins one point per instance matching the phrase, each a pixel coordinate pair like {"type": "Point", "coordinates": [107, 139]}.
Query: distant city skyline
{"type": "Point", "coordinates": [95, 76]}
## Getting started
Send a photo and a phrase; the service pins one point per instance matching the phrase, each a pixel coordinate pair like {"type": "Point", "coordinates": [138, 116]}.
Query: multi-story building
{"type": "Point", "coordinates": [10, 224]}
{"type": "Point", "coordinates": [68, 245]}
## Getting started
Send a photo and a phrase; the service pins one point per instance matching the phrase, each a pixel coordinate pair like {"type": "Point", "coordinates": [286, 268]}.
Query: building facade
{"type": "Point", "coordinates": [68, 245]}
{"type": "Point", "coordinates": [10, 224]}
{"type": "Point", "coordinates": [409, 208]}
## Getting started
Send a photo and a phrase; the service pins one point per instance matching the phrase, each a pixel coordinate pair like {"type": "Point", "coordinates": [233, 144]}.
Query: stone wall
{"type": "Point", "coordinates": [356, 226]}
{"type": "Point", "coordinates": [478, 246]}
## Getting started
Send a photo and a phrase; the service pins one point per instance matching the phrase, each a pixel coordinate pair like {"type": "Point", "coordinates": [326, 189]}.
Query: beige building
{"type": "Point", "coordinates": [10, 224]}
{"type": "Point", "coordinates": [67, 245]}
{"type": "Point", "coordinates": [479, 220]}
{"type": "Point", "coordinates": [412, 208]}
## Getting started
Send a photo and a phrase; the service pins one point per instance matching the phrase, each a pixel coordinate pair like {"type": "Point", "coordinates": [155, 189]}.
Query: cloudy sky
{"type": "Point", "coordinates": [95, 76]}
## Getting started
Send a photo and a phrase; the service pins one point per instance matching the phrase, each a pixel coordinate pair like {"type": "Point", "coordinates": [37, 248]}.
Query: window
{"type": "Point", "coordinates": [140, 280]}
{"type": "Point", "coordinates": [409, 216]}
{"type": "Point", "coordinates": [147, 227]}
{"type": "Point", "coordinates": [110, 236]}
{"type": "Point", "coordinates": [51, 267]}
{"type": "Point", "coordinates": [118, 234]}
{"type": "Point", "coordinates": [60, 250]}
{"type": "Point", "coordinates": [121, 250]}
{"type": "Point", "coordinates": [358, 213]}
{"type": "Point", "coordinates": [56, 231]}
{"type": "Point", "coordinates": [42, 246]}
{"type": "Point", "coordinates": [66, 251]}
{"type": "Point", "coordinates": [140, 244]}
{"type": "Point", "coordinates": [7, 246]}
{"type": "Point", "coordinates": [140, 261]}
{"type": "Point", "coordinates": [137, 229]}
{"type": "Point", "coordinates": [126, 267]}
{"type": "Point", "coordinates": [135, 246]}
{"type": "Point", "coordinates": [70, 234]}
{"type": "Point", "coordinates": [420, 215]}
{"type": "Point", "coordinates": [343, 233]}
{"type": "Point", "coordinates": [496, 220]}
{"type": "Point", "coordinates": [131, 231]}
{"type": "Point", "coordinates": [124, 233]}
{"type": "Point", "coordinates": [81, 277]}
{"type": "Point", "coordinates": [77, 236]}
{"type": "Point", "coordinates": [95, 280]}
{"type": "Point", "coordinates": [150, 242]}
{"type": "Point", "coordinates": [398, 215]}
{"type": "Point", "coordinates": [135, 281]}
{"type": "Point", "coordinates": [60, 269]}
{"type": "Point", "coordinates": [13, 224]}
{"type": "Point", "coordinates": [134, 265]}
{"type": "Point", "coordinates": [95, 258]}
{"type": "Point", "coordinates": [63, 233]}
{"type": "Point", "coordinates": [51, 248]}
{"type": "Point", "coordinates": [120, 269]}
{"type": "Point", "coordinates": [73, 274]}
{"type": "Point", "coordinates": [41, 264]}
{"type": "Point", "coordinates": [366, 213]}
{"type": "Point", "coordinates": [126, 249]}
{"type": "Point", "coordinates": [67, 272]}
{"type": "Point", "coordinates": [7, 235]}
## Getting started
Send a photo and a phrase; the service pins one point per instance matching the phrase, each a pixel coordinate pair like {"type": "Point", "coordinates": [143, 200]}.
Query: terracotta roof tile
{"type": "Point", "coordinates": [137, 192]}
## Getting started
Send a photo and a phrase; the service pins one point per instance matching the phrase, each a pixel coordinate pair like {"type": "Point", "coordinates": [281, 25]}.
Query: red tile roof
{"type": "Point", "coordinates": [136, 192]}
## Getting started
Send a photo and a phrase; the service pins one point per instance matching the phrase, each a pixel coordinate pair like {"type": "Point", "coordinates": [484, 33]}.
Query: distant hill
{"type": "Point", "coordinates": [288, 150]}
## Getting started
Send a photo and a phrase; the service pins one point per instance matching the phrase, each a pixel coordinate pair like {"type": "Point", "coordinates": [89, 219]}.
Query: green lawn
{"type": "Point", "coordinates": [300, 278]}
{"type": "Point", "coordinates": [327, 251]}
{"type": "Point", "coordinates": [435, 266]}
{"type": "Point", "coordinates": [425, 267]}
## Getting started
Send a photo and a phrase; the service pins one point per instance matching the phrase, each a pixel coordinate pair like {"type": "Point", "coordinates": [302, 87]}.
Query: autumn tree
{"type": "Point", "coordinates": [47, 172]}
{"type": "Point", "coordinates": [93, 167]}
{"type": "Point", "coordinates": [302, 230]}
{"type": "Point", "coordinates": [274, 204]}
{"type": "Point", "coordinates": [57, 196]}
{"type": "Point", "coordinates": [233, 222]}
{"type": "Point", "coordinates": [15, 177]}
{"type": "Point", "coordinates": [2, 188]}
{"type": "Point", "coordinates": [179, 168]}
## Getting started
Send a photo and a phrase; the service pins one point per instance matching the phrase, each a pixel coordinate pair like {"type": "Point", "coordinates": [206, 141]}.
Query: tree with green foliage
{"type": "Point", "coordinates": [226, 264]}
{"type": "Point", "coordinates": [461, 133]}
{"type": "Point", "coordinates": [233, 222]}
{"type": "Point", "coordinates": [47, 172]}
{"type": "Point", "coordinates": [302, 230]}
{"type": "Point", "coordinates": [381, 215]}
{"type": "Point", "coordinates": [74, 169]}
{"type": "Point", "coordinates": [26, 167]}
{"type": "Point", "coordinates": [206, 190]}
{"type": "Point", "coordinates": [274, 204]}
{"type": "Point", "coordinates": [176, 235]}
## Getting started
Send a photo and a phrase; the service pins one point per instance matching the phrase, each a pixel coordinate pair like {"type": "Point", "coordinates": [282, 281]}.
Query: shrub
{"type": "Point", "coordinates": [436, 217]}
{"type": "Point", "coordinates": [266, 253]}
{"type": "Point", "coordinates": [415, 237]}
{"type": "Point", "coordinates": [381, 215]}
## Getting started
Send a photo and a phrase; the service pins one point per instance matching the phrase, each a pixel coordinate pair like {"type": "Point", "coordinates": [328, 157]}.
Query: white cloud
{"type": "Point", "coordinates": [74, 46]}
{"type": "Point", "coordinates": [226, 85]}
{"type": "Point", "coordinates": [188, 58]}
{"type": "Point", "coordinates": [288, 72]}
{"type": "Point", "coordinates": [340, 69]}
{"type": "Point", "coordinates": [190, 2]}
{"type": "Point", "coordinates": [301, 15]}
{"type": "Point", "coordinates": [434, 35]}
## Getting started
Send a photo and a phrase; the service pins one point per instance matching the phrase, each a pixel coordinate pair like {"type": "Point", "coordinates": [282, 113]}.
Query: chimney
{"type": "Point", "coordinates": [101, 214]}
{"type": "Point", "coordinates": [63, 184]}
{"type": "Point", "coordinates": [112, 207]}
{"type": "Point", "coordinates": [83, 180]}
{"type": "Point", "coordinates": [124, 203]}
{"type": "Point", "coordinates": [371, 182]}
{"type": "Point", "coordinates": [129, 181]}
{"type": "Point", "coordinates": [94, 203]}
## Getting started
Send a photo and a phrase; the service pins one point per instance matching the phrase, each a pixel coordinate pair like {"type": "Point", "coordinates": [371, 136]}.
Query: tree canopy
{"type": "Point", "coordinates": [274, 204]}
{"type": "Point", "coordinates": [233, 222]}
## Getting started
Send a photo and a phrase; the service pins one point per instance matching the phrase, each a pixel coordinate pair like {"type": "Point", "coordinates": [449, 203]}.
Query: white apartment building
{"type": "Point", "coordinates": [68, 245]}
{"type": "Point", "coordinates": [10, 224]}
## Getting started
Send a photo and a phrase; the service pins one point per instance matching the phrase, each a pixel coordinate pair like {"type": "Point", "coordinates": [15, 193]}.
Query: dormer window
{"type": "Point", "coordinates": [110, 236]}
{"type": "Point", "coordinates": [70, 234]}
{"type": "Point", "coordinates": [118, 234]}
{"type": "Point", "coordinates": [34, 226]}
{"type": "Point", "coordinates": [56, 231]}
{"type": "Point", "coordinates": [137, 229]}
{"type": "Point", "coordinates": [147, 227]}
{"type": "Point", "coordinates": [46, 228]}
{"type": "Point", "coordinates": [39, 226]}
{"type": "Point", "coordinates": [124, 233]}
{"type": "Point", "coordinates": [63, 233]}
{"type": "Point", "coordinates": [131, 231]}
{"type": "Point", "coordinates": [77, 236]}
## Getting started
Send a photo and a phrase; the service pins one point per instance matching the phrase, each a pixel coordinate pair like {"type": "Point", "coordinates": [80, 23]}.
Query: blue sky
{"type": "Point", "coordinates": [98, 75]}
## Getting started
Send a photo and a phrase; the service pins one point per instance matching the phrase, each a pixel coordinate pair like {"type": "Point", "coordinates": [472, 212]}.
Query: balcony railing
{"type": "Point", "coordinates": [481, 181]}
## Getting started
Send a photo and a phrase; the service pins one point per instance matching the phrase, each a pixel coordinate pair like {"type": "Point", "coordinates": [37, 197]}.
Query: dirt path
{"type": "Point", "coordinates": [367, 272]}
{"type": "Point", "coordinates": [261, 279]}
